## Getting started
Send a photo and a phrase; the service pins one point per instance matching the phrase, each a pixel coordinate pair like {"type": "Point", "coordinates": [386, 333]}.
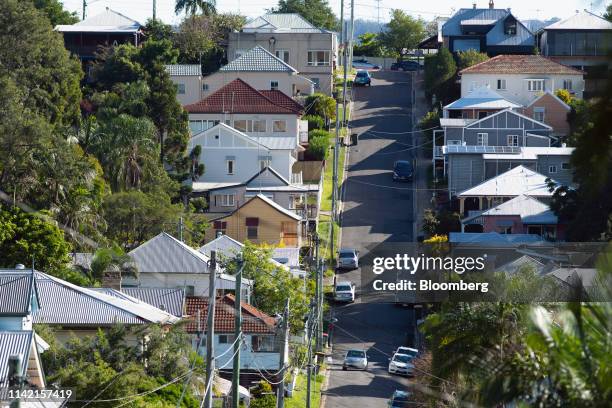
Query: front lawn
{"type": "Point", "coordinates": [298, 400]}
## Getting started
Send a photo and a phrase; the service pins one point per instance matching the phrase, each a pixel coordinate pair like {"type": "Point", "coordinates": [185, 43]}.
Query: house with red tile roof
{"type": "Point", "coordinates": [522, 78]}
{"type": "Point", "coordinates": [261, 342]}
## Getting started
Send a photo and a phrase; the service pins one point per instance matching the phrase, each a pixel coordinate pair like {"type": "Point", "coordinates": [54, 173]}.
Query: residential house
{"type": "Point", "coordinates": [188, 81]}
{"type": "Point", "coordinates": [259, 220]}
{"type": "Point", "coordinates": [310, 50]}
{"type": "Point", "coordinates": [522, 214]}
{"type": "Point", "coordinates": [18, 299]}
{"type": "Point", "coordinates": [496, 190]}
{"type": "Point", "coordinates": [262, 70]}
{"type": "Point", "coordinates": [165, 262]}
{"type": "Point", "coordinates": [490, 30]}
{"type": "Point", "coordinates": [22, 343]}
{"type": "Point", "coordinates": [109, 28]}
{"type": "Point", "coordinates": [582, 40]}
{"type": "Point", "coordinates": [549, 109]}
{"type": "Point", "coordinates": [167, 299]}
{"type": "Point", "coordinates": [261, 346]}
{"type": "Point", "coordinates": [477, 104]}
{"type": "Point", "coordinates": [522, 78]}
{"type": "Point", "coordinates": [492, 238]}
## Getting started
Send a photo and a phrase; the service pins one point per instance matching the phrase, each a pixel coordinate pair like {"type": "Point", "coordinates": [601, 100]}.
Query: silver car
{"type": "Point", "coordinates": [348, 258]}
{"type": "Point", "coordinates": [355, 359]}
{"type": "Point", "coordinates": [344, 292]}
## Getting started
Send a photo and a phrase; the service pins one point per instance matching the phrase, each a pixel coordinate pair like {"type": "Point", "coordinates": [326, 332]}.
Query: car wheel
{"type": "Point", "coordinates": [343, 368]}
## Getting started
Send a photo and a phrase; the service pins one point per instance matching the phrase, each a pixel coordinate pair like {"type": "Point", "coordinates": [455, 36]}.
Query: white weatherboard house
{"type": "Point", "coordinates": [521, 78]}
{"type": "Point", "coordinates": [262, 70]}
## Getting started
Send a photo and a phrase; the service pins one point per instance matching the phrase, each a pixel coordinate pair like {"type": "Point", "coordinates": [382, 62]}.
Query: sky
{"type": "Point", "coordinates": [365, 9]}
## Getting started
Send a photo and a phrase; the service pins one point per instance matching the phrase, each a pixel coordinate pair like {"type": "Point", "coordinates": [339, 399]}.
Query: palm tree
{"type": "Point", "coordinates": [207, 7]}
{"type": "Point", "coordinates": [109, 261]}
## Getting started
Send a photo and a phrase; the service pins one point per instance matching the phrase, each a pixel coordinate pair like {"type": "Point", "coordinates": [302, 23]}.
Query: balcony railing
{"type": "Point", "coordinates": [296, 178]}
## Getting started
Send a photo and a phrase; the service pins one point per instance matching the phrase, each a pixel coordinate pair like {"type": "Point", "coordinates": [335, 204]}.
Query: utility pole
{"type": "Point", "coordinates": [84, 8]}
{"type": "Point", "coordinates": [237, 332]}
{"type": "Point", "coordinates": [154, 9]}
{"type": "Point", "coordinates": [318, 288]}
{"type": "Point", "coordinates": [283, 350]}
{"type": "Point", "coordinates": [15, 379]}
{"type": "Point", "coordinates": [311, 322]}
{"type": "Point", "coordinates": [180, 229]}
{"type": "Point", "coordinates": [378, 13]}
{"type": "Point", "coordinates": [210, 329]}
{"type": "Point", "coordinates": [352, 30]}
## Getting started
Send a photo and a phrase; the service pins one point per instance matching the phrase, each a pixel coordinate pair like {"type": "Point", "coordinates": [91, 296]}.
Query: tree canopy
{"type": "Point", "coordinates": [470, 57]}
{"type": "Point", "coordinates": [54, 10]}
{"type": "Point", "coordinates": [316, 12]}
{"type": "Point", "coordinates": [369, 45]}
{"type": "Point", "coordinates": [192, 7]}
{"type": "Point", "coordinates": [403, 33]}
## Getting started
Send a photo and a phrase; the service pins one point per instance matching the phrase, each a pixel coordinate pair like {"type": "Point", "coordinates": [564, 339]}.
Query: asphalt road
{"type": "Point", "coordinates": [375, 210]}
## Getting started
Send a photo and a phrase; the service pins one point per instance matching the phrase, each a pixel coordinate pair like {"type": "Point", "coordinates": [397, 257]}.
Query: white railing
{"type": "Point", "coordinates": [296, 178]}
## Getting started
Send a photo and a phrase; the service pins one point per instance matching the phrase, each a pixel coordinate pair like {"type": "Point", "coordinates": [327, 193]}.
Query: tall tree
{"type": "Point", "coordinates": [317, 12]}
{"type": "Point", "coordinates": [440, 68]}
{"type": "Point", "coordinates": [55, 12]}
{"type": "Point", "coordinates": [608, 14]}
{"type": "Point", "coordinates": [368, 46]}
{"type": "Point", "coordinates": [192, 7]}
{"type": "Point", "coordinates": [470, 57]}
{"type": "Point", "coordinates": [403, 33]}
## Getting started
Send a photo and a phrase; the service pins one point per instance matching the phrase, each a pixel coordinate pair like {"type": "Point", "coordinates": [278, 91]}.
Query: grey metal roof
{"type": "Point", "coordinates": [184, 70]}
{"type": "Point", "coordinates": [452, 26]}
{"type": "Point", "coordinates": [492, 238]}
{"type": "Point", "coordinates": [287, 256]}
{"type": "Point", "coordinates": [482, 98]}
{"type": "Point", "coordinates": [16, 291]}
{"type": "Point", "coordinates": [516, 181]}
{"type": "Point", "coordinates": [170, 300]}
{"type": "Point", "coordinates": [281, 22]}
{"type": "Point", "coordinates": [63, 303]}
{"type": "Point", "coordinates": [107, 21]}
{"type": "Point", "coordinates": [277, 142]}
{"type": "Point", "coordinates": [258, 59]}
{"type": "Point", "coordinates": [582, 20]}
{"type": "Point", "coordinates": [224, 245]}
{"type": "Point", "coordinates": [166, 254]}
{"type": "Point", "coordinates": [531, 210]}
{"type": "Point", "coordinates": [11, 343]}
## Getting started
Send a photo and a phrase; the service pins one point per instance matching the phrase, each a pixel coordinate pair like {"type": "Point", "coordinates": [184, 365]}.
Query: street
{"type": "Point", "coordinates": [376, 210]}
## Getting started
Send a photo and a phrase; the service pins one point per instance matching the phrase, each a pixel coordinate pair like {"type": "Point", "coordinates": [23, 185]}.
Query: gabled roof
{"type": "Point", "coordinates": [282, 99]}
{"type": "Point", "coordinates": [477, 16]}
{"type": "Point", "coordinates": [520, 64]}
{"type": "Point", "coordinates": [287, 256]}
{"type": "Point", "coordinates": [531, 210]}
{"type": "Point", "coordinates": [12, 343]}
{"type": "Point", "coordinates": [520, 263]}
{"type": "Point", "coordinates": [237, 97]}
{"type": "Point", "coordinates": [266, 200]}
{"type": "Point", "coordinates": [482, 98]}
{"type": "Point", "coordinates": [171, 300]}
{"type": "Point", "coordinates": [552, 95]}
{"type": "Point", "coordinates": [516, 181]}
{"type": "Point", "coordinates": [64, 303]}
{"type": "Point", "coordinates": [510, 112]}
{"type": "Point", "coordinates": [166, 254]}
{"type": "Point", "coordinates": [107, 21]}
{"type": "Point", "coordinates": [258, 59]}
{"type": "Point", "coordinates": [224, 245]}
{"type": "Point", "coordinates": [254, 321]}
{"type": "Point", "coordinates": [271, 172]}
{"type": "Point", "coordinates": [17, 289]}
{"type": "Point", "coordinates": [184, 70]}
{"type": "Point", "coordinates": [281, 22]}
{"type": "Point", "coordinates": [582, 20]}
{"type": "Point", "coordinates": [492, 238]}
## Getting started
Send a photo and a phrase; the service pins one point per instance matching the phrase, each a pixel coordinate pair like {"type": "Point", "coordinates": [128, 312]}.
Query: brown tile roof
{"type": "Point", "coordinates": [237, 97]}
{"type": "Point", "coordinates": [253, 319]}
{"type": "Point", "coordinates": [520, 64]}
{"type": "Point", "coordinates": [282, 99]}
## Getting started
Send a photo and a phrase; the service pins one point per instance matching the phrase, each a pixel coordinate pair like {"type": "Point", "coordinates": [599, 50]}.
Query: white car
{"type": "Point", "coordinates": [348, 258]}
{"type": "Point", "coordinates": [344, 292]}
{"type": "Point", "coordinates": [400, 364]}
{"type": "Point", "coordinates": [355, 359]}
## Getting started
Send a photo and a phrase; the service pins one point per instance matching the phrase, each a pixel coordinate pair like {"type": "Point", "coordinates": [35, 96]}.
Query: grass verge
{"type": "Point", "coordinates": [298, 400]}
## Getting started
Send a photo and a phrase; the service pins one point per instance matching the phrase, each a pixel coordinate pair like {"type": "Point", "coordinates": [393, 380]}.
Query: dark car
{"type": "Point", "coordinates": [405, 66]}
{"type": "Point", "coordinates": [399, 399]}
{"type": "Point", "coordinates": [363, 78]}
{"type": "Point", "coordinates": [402, 170]}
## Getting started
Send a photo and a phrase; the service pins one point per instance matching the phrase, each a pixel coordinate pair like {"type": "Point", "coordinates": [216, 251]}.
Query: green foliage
{"type": "Point", "coordinates": [192, 7]}
{"type": "Point", "coordinates": [470, 57]}
{"type": "Point", "coordinates": [318, 144]}
{"type": "Point", "coordinates": [263, 396]}
{"type": "Point", "coordinates": [440, 69]}
{"type": "Point", "coordinates": [369, 45]}
{"type": "Point", "coordinates": [321, 105]}
{"type": "Point", "coordinates": [112, 260]}
{"type": "Point", "coordinates": [430, 222]}
{"type": "Point", "coordinates": [608, 14]}
{"type": "Point", "coordinates": [317, 12]}
{"type": "Point", "coordinates": [564, 95]}
{"type": "Point", "coordinates": [427, 123]}
{"type": "Point", "coordinates": [403, 33]}
{"type": "Point", "coordinates": [440, 222]}
{"type": "Point", "coordinates": [314, 122]}
{"type": "Point", "coordinates": [26, 237]}
{"type": "Point", "coordinates": [54, 10]}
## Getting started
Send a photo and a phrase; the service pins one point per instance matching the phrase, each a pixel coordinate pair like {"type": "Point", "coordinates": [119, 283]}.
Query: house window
{"type": "Point", "coordinates": [538, 113]}
{"type": "Point", "coordinates": [505, 230]}
{"type": "Point", "coordinates": [180, 89]}
{"type": "Point", "coordinates": [225, 200]}
{"type": "Point", "coordinates": [240, 125]}
{"type": "Point", "coordinates": [230, 166]}
{"type": "Point", "coordinates": [316, 83]}
{"type": "Point", "coordinates": [220, 226]}
{"type": "Point", "coordinates": [501, 84]}
{"type": "Point", "coordinates": [482, 115]}
{"type": "Point", "coordinates": [226, 338]}
{"type": "Point", "coordinates": [535, 85]}
{"type": "Point", "coordinates": [565, 166]}
{"type": "Point", "coordinates": [205, 87]}
{"type": "Point", "coordinates": [482, 139]}
{"type": "Point", "coordinates": [318, 58]}
{"type": "Point", "coordinates": [264, 344]}
{"type": "Point", "coordinates": [510, 26]}
{"type": "Point", "coordinates": [252, 224]}
{"type": "Point", "coordinates": [567, 84]}
{"type": "Point", "coordinates": [513, 140]}
{"type": "Point", "coordinates": [283, 55]}
{"type": "Point", "coordinates": [195, 126]}
{"type": "Point", "coordinates": [274, 85]}
{"type": "Point", "coordinates": [259, 126]}
{"type": "Point", "coordinates": [552, 169]}
{"type": "Point", "coordinates": [279, 126]}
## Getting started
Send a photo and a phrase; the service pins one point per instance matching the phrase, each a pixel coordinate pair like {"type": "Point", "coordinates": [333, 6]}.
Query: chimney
{"type": "Point", "coordinates": [491, 5]}
{"type": "Point", "coordinates": [474, 5]}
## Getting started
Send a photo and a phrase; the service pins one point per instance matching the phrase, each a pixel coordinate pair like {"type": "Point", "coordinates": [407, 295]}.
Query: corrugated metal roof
{"type": "Point", "coordinates": [482, 98]}
{"type": "Point", "coordinates": [497, 36]}
{"type": "Point", "coordinates": [516, 181]}
{"type": "Point", "coordinates": [166, 254]}
{"type": "Point", "coordinates": [277, 142]}
{"type": "Point", "coordinates": [531, 210]}
{"type": "Point", "coordinates": [291, 255]}
{"type": "Point", "coordinates": [184, 70]}
{"type": "Point", "coordinates": [224, 245]}
{"type": "Point", "coordinates": [492, 238]}
{"type": "Point", "coordinates": [12, 343]}
{"type": "Point", "coordinates": [281, 22]}
{"type": "Point", "coordinates": [64, 303]}
{"type": "Point", "coordinates": [455, 122]}
{"type": "Point", "coordinates": [16, 291]}
{"type": "Point", "coordinates": [452, 27]}
{"type": "Point", "coordinates": [170, 300]}
{"type": "Point", "coordinates": [258, 59]}
{"type": "Point", "coordinates": [107, 21]}
{"type": "Point", "coordinates": [582, 20]}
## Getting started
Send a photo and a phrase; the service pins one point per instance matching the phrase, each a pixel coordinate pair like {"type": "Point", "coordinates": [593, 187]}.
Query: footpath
{"type": "Point", "coordinates": [422, 195]}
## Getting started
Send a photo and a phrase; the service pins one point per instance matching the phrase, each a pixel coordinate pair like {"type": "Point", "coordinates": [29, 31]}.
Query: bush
{"type": "Point", "coordinates": [564, 95]}
{"type": "Point", "coordinates": [314, 122]}
{"type": "Point", "coordinates": [321, 105]}
{"type": "Point", "coordinates": [318, 144]}
{"type": "Point", "coordinates": [470, 57]}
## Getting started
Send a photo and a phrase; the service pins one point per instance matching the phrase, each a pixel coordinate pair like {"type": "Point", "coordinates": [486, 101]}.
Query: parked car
{"type": "Point", "coordinates": [407, 350]}
{"type": "Point", "coordinates": [362, 78]}
{"type": "Point", "coordinates": [348, 258]}
{"type": "Point", "coordinates": [406, 66]}
{"type": "Point", "coordinates": [355, 359]}
{"type": "Point", "coordinates": [364, 64]}
{"type": "Point", "coordinates": [402, 170]}
{"type": "Point", "coordinates": [400, 364]}
{"type": "Point", "coordinates": [399, 399]}
{"type": "Point", "coordinates": [344, 292]}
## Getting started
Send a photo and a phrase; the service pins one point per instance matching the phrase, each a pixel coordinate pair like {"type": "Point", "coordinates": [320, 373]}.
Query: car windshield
{"type": "Point", "coordinates": [403, 165]}
{"type": "Point", "coordinates": [343, 288]}
{"type": "Point", "coordinates": [362, 74]}
{"type": "Point", "coordinates": [401, 358]}
{"type": "Point", "coordinates": [355, 353]}
{"type": "Point", "coordinates": [404, 350]}
{"type": "Point", "coordinates": [346, 254]}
